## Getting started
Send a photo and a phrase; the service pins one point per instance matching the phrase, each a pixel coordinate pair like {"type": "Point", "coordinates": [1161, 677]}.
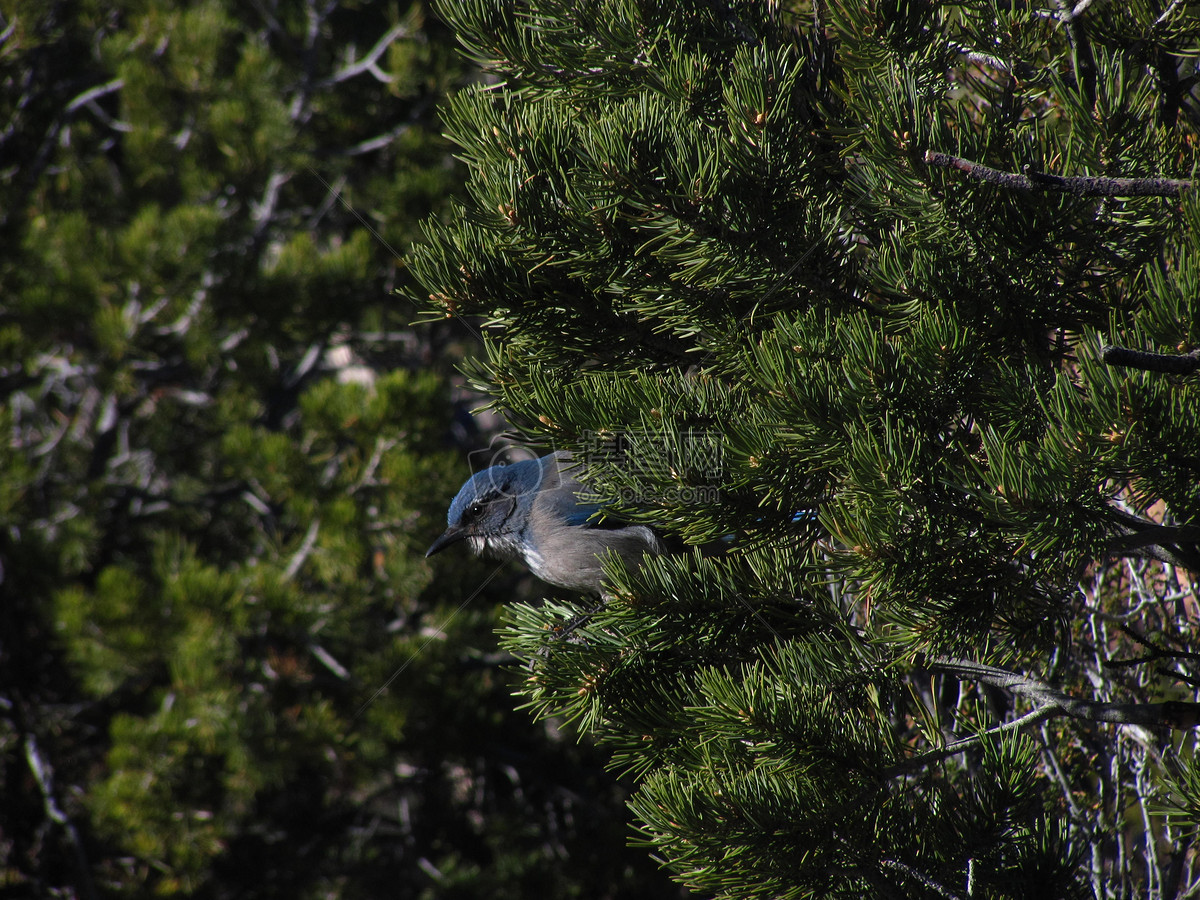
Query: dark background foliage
{"type": "Point", "coordinates": [224, 452]}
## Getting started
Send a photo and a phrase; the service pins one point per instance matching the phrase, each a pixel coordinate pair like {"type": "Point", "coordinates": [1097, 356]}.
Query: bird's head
{"type": "Point", "coordinates": [491, 510]}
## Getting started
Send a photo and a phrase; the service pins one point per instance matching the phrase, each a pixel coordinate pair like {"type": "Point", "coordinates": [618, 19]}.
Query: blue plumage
{"type": "Point", "coordinates": [538, 512]}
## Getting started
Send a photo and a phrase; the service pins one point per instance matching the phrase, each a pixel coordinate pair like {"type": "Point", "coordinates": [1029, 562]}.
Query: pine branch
{"type": "Point", "coordinates": [1167, 363]}
{"type": "Point", "coordinates": [1173, 714]}
{"type": "Point", "coordinates": [1080, 185]}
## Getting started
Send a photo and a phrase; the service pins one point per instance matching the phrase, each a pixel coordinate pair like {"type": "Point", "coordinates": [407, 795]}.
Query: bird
{"type": "Point", "coordinates": [537, 511]}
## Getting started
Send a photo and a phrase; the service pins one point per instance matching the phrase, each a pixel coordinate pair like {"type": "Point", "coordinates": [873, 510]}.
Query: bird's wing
{"type": "Point", "coordinates": [564, 494]}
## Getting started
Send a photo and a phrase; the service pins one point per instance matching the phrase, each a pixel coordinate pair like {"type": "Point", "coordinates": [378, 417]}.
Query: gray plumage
{"type": "Point", "coordinates": [537, 511]}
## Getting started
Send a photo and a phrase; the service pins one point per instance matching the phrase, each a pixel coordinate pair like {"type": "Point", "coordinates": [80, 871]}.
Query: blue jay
{"type": "Point", "coordinates": [538, 512]}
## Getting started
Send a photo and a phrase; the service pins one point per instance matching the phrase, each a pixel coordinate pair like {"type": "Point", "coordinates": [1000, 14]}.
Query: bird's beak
{"type": "Point", "coordinates": [451, 535]}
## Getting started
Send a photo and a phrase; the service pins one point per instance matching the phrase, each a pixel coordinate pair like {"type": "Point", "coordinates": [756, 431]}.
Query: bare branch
{"type": "Point", "coordinates": [1167, 13]}
{"type": "Point", "coordinates": [1080, 185]}
{"type": "Point", "coordinates": [369, 63]}
{"type": "Point", "coordinates": [953, 749]}
{"type": "Point", "coordinates": [1180, 715]}
{"type": "Point", "coordinates": [44, 776]}
{"type": "Point", "coordinates": [327, 660]}
{"type": "Point", "coordinates": [1076, 11]}
{"type": "Point", "coordinates": [1167, 363]}
{"type": "Point", "coordinates": [93, 94]}
{"type": "Point", "coordinates": [89, 97]}
{"type": "Point", "coordinates": [367, 477]}
{"type": "Point", "coordinates": [263, 210]}
{"type": "Point", "coordinates": [378, 142]}
{"type": "Point", "coordinates": [306, 546]}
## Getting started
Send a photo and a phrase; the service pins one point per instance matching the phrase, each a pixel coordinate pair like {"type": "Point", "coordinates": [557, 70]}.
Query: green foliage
{"type": "Point", "coordinates": [716, 225]}
{"type": "Point", "coordinates": [223, 452]}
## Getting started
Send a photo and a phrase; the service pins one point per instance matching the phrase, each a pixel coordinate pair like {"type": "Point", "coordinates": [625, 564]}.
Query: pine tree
{"type": "Point", "coordinates": [223, 452]}
{"type": "Point", "coordinates": [901, 302]}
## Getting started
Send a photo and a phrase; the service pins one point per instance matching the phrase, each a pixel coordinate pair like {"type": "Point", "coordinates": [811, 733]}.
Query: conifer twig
{"type": "Point", "coordinates": [1080, 185]}
{"type": "Point", "coordinates": [1167, 363]}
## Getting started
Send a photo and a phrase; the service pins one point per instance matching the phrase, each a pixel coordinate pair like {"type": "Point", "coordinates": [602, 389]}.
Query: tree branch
{"type": "Point", "coordinates": [1167, 13]}
{"type": "Point", "coordinates": [89, 97]}
{"type": "Point", "coordinates": [306, 547]}
{"type": "Point", "coordinates": [1076, 11]}
{"type": "Point", "coordinates": [1082, 57]}
{"type": "Point", "coordinates": [918, 876]}
{"type": "Point", "coordinates": [43, 775]}
{"type": "Point", "coordinates": [1167, 363]}
{"type": "Point", "coordinates": [1175, 545]}
{"type": "Point", "coordinates": [1180, 715]}
{"type": "Point", "coordinates": [370, 62]}
{"type": "Point", "coordinates": [954, 748]}
{"type": "Point", "coordinates": [1080, 185]}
